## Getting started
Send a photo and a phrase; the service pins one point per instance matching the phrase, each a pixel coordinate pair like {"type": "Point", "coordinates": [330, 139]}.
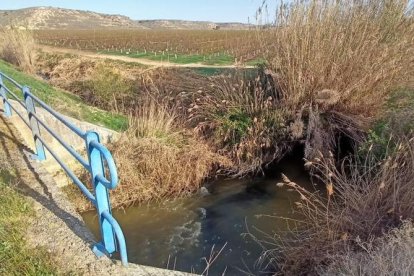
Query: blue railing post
{"type": "Point", "coordinates": [107, 244]}
{"type": "Point", "coordinates": [34, 125]}
{"type": "Point", "coordinates": [7, 110]}
{"type": "Point", "coordinates": [100, 164]}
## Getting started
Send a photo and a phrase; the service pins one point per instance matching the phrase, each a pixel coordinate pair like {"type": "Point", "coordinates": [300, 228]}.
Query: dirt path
{"type": "Point", "coordinates": [136, 60]}
{"type": "Point", "coordinates": [58, 227]}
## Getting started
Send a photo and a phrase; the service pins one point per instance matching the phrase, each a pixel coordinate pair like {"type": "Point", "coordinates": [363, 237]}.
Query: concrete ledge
{"type": "Point", "coordinates": [65, 133]}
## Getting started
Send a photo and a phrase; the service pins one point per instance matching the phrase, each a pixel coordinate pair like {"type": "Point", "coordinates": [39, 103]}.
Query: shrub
{"type": "Point", "coordinates": [242, 119]}
{"type": "Point", "coordinates": [106, 85]}
{"type": "Point", "coordinates": [330, 67]}
{"type": "Point", "coordinates": [18, 47]}
{"type": "Point", "coordinates": [109, 87]}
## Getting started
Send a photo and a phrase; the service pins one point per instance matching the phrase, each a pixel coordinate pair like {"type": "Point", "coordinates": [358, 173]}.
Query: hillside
{"type": "Point", "coordinates": [50, 18]}
{"type": "Point", "coordinates": [56, 18]}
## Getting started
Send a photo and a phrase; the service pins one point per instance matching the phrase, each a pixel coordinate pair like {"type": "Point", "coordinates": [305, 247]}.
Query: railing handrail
{"type": "Point", "coordinates": [58, 116]}
{"type": "Point", "coordinates": [11, 80]}
{"type": "Point", "coordinates": [96, 152]}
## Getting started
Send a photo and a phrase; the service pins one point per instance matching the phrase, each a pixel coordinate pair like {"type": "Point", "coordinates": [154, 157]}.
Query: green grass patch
{"type": "Point", "coordinates": [234, 124]}
{"type": "Point", "coordinates": [249, 73]}
{"type": "Point", "coordinates": [209, 71]}
{"type": "Point", "coordinates": [63, 101]}
{"type": "Point", "coordinates": [396, 123]}
{"type": "Point", "coordinates": [256, 62]}
{"type": "Point", "coordinates": [15, 256]}
{"type": "Point", "coordinates": [210, 59]}
{"type": "Point", "coordinates": [401, 99]}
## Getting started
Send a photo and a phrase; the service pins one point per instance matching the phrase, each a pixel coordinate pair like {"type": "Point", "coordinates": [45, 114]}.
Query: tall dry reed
{"type": "Point", "coordinates": [390, 255]}
{"type": "Point", "coordinates": [338, 61]}
{"type": "Point", "coordinates": [364, 201]}
{"type": "Point", "coordinates": [18, 47]}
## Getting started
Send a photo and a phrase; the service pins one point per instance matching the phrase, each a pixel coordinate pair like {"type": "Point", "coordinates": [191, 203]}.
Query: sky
{"type": "Point", "coordinates": [205, 10]}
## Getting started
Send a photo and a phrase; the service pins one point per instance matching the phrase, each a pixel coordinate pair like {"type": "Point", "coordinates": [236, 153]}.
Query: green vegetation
{"type": "Point", "coordinates": [107, 88]}
{"type": "Point", "coordinates": [208, 71]}
{"type": "Point", "coordinates": [396, 122]}
{"type": "Point", "coordinates": [16, 257]}
{"type": "Point", "coordinates": [64, 102]}
{"type": "Point", "coordinates": [256, 62]}
{"type": "Point", "coordinates": [236, 122]}
{"type": "Point", "coordinates": [211, 71]}
{"type": "Point", "coordinates": [210, 59]}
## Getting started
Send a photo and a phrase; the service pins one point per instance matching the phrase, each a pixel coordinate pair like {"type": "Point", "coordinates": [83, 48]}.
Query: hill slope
{"type": "Point", "coordinates": [57, 18]}
{"type": "Point", "coordinates": [50, 18]}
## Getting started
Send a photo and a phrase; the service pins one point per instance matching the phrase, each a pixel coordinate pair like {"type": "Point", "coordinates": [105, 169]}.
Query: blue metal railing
{"type": "Point", "coordinates": [113, 239]}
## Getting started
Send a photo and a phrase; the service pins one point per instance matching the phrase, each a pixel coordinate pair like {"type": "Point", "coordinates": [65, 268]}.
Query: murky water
{"type": "Point", "coordinates": [178, 235]}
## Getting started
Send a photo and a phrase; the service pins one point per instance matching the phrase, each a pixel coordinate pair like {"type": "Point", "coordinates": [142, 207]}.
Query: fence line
{"type": "Point", "coordinates": [99, 164]}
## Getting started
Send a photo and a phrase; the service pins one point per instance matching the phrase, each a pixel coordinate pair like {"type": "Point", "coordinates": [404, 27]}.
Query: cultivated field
{"type": "Point", "coordinates": [178, 46]}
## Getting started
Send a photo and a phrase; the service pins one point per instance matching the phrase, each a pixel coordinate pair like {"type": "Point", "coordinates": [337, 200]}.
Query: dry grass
{"type": "Point", "coordinates": [18, 47]}
{"type": "Point", "coordinates": [338, 61]}
{"type": "Point", "coordinates": [391, 255]}
{"type": "Point", "coordinates": [104, 84]}
{"type": "Point", "coordinates": [62, 71]}
{"type": "Point", "coordinates": [363, 202]}
{"type": "Point", "coordinates": [157, 160]}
